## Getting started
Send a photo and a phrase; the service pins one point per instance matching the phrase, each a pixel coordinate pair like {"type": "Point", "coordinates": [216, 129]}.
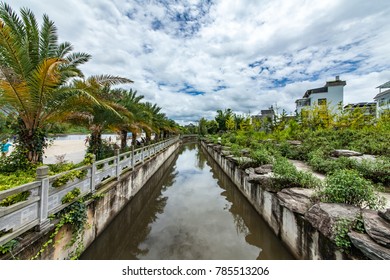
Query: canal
{"type": "Point", "coordinates": [191, 211]}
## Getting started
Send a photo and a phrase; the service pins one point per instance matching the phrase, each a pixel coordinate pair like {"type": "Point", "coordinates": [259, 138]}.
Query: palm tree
{"type": "Point", "coordinates": [97, 108]}
{"type": "Point", "coordinates": [34, 68]}
{"type": "Point", "coordinates": [154, 118]}
{"type": "Point", "coordinates": [139, 120]}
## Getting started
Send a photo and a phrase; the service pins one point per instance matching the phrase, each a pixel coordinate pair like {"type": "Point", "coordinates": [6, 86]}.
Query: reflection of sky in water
{"type": "Point", "coordinates": [196, 223]}
{"type": "Point", "coordinates": [189, 213]}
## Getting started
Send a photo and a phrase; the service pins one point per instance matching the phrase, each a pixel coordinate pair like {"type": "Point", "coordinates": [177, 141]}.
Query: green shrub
{"type": "Point", "coordinates": [341, 229]}
{"type": "Point", "coordinates": [70, 196]}
{"type": "Point", "coordinates": [287, 175]}
{"type": "Point", "coordinates": [16, 161]}
{"type": "Point", "coordinates": [13, 199]}
{"type": "Point", "coordinates": [71, 175]}
{"type": "Point", "coordinates": [8, 247]}
{"type": "Point", "coordinates": [378, 171]}
{"type": "Point", "coordinates": [347, 186]}
{"type": "Point", "coordinates": [10, 180]}
{"type": "Point", "coordinates": [321, 162]}
{"type": "Point", "coordinates": [261, 156]}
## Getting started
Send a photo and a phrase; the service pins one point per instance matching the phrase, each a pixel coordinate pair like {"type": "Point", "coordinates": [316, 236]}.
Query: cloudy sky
{"type": "Point", "coordinates": [194, 57]}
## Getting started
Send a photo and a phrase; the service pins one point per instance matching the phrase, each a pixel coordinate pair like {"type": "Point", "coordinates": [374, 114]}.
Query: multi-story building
{"type": "Point", "coordinates": [367, 108]}
{"type": "Point", "coordinates": [382, 99]}
{"type": "Point", "coordinates": [331, 94]}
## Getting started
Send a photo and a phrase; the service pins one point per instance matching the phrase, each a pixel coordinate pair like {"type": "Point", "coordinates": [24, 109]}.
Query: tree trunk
{"type": "Point", "coordinates": [95, 142]}
{"type": "Point", "coordinates": [32, 141]}
{"type": "Point", "coordinates": [134, 138]}
{"type": "Point", "coordinates": [123, 134]}
{"type": "Point", "coordinates": [147, 136]}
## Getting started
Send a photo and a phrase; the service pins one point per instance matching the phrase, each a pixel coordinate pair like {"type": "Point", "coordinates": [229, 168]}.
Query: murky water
{"type": "Point", "coordinates": [192, 212]}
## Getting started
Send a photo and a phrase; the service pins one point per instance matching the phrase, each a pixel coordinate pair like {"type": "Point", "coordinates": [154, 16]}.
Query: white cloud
{"type": "Point", "coordinates": [166, 46]}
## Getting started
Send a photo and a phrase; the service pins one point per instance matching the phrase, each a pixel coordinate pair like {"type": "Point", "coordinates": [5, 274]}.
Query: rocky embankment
{"type": "Point", "coordinates": [372, 243]}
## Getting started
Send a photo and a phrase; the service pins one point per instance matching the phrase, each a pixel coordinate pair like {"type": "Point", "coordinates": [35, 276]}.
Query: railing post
{"type": "Point", "coordinates": [93, 174]}
{"type": "Point", "coordinates": [118, 170]}
{"type": "Point", "coordinates": [142, 153]}
{"type": "Point", "coordinates": [132, 157]}
{"type": "Point", "coordinates": [43, 176]}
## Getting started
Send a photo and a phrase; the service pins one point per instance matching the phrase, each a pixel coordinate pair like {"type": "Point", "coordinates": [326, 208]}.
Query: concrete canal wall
{"type": "Point", "coordinates": [108, 200]}
{"type": "Point", "coordinates": [292, 227]}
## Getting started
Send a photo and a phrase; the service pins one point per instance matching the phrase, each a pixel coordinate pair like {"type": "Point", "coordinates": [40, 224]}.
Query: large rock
{"type": "Point", "coordinates": [370, 158]}
{"type": "Point", "coordinates": [245, 152]}
{"type": "Point", "coordinates": [345, 153]}
{"type": "Point", "coordinates": [376, 227]}
{"type": "Point", "coordinates": [385, 214]}
{"type": "Point", "coordinates": [226, 152]}
{"type": "Point", "coordinates": [266, 181]}
{"type": "Point", "coordinates": [264, 169]}
{"type": "Point", "coordinates": [369, 247]}
{"type": "Point", "coordinates": [294, 142]}
{"type": "Point", "coordinates": [323, 216]}
{"type": "Point", "coordinates": [239, 160]}
{"type": "Point", "coordinates": [296, 199]}
{"type": "Point", "coordinates": [217, 148]}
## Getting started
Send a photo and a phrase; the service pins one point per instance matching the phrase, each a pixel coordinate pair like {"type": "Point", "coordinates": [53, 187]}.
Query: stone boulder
{"type": "Point", "coordinates": [245, 152]}
{"type": "Point", "coordinates": [370, 158]}
{"type": "Point", "coordinates": [294, 142]}
{"type": "Point", "coordinates": [376, 227]}
{"type": "Point", "coordinates": [226, 152]}
{"type": "Point", "coordinates": [264, 169]}
{"type": "Point", "coordinates": [217, 148]}
{"type": "Point", "coordinates": [369, 247]}
{"type": "Point", "coordinates": [296, 199]}
{"type": "Point", "coordinates": [323, 216]}
{"type": "Point", "coordinates": [385, 214]}
{"type": "Point", "coordinates": [345, 153]}
{"type": "Point", "coordinates": [265, 181]}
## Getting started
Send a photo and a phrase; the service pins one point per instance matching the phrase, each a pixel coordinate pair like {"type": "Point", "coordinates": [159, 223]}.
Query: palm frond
{"type": "Point", "coordinates": [11, 19]}
{"type": "Point", "coordinates": [31, 39]}
{"type": "Point", "coordinates": [10, 50]}
{"type": "Point", "coordinates": [48, 40]}
{"type": "Point", "coordinates": [64, 49]}
{"type": "Point", "coordinates": [76, 59]}
{"type": "Point", "coordinates": [107, 80]}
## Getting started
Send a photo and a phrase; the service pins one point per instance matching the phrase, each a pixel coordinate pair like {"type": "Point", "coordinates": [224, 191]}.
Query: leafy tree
{"type": "Point", "coordinates": [230, 123]}
{"type": "Point", "coordinates": [222, 117]}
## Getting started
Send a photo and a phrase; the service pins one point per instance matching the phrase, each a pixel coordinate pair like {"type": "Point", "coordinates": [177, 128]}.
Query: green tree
{"type": "Point", "coordinates": [138, 120]}
{"type": "Point", "coordinates": [97, 109]}
{"type": "Point", "coordinates": [34, 71]}
{"type": "Point", "coordinates": [222, 117]}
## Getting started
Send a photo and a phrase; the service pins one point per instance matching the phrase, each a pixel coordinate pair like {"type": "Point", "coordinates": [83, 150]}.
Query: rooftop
{"type": "Point", "coordinates": [383, 93]}
{"type": "Point", "coordinates": [360, 104]}
{"type": "Point", "coordinates": [385, 85]}
{"type": "Point", "coordinates": [336, 82]}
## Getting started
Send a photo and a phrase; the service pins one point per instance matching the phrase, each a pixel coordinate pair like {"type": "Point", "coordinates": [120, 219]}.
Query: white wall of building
{"type": "Point", "coordinates": [334, 97]}
{"type": "Point", "coordinates": [383, 103]}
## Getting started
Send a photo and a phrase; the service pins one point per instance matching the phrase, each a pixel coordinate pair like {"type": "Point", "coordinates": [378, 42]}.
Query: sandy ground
{"type": "Point", "coordinates": [74, 150]}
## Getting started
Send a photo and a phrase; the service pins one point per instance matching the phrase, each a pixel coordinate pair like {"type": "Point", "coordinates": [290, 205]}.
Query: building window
{"type": "Point", "coordinates": [383, 102]}
{"type": "Point", "coordinates": [322, 101]}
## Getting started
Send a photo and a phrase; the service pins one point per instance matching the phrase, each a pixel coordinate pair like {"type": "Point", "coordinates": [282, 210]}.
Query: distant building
{"type": "Point", "coordinates": [265, 114]}
{"type": "Point", "coordinates": [368, 108]}
{"type": "Point", "coordinates": [331, 94]}
{"type": "Point", "coordinates": [265, 117]}
{"type": "Point", "coordinates": [382, 99]}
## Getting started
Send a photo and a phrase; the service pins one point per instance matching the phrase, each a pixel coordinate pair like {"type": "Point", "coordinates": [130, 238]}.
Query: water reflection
{"type": "Point", "coordinates": [191, 212]}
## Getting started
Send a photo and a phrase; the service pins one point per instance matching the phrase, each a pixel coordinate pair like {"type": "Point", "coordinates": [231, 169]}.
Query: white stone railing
{"type": "Point", "coordinates": [45, 200]}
